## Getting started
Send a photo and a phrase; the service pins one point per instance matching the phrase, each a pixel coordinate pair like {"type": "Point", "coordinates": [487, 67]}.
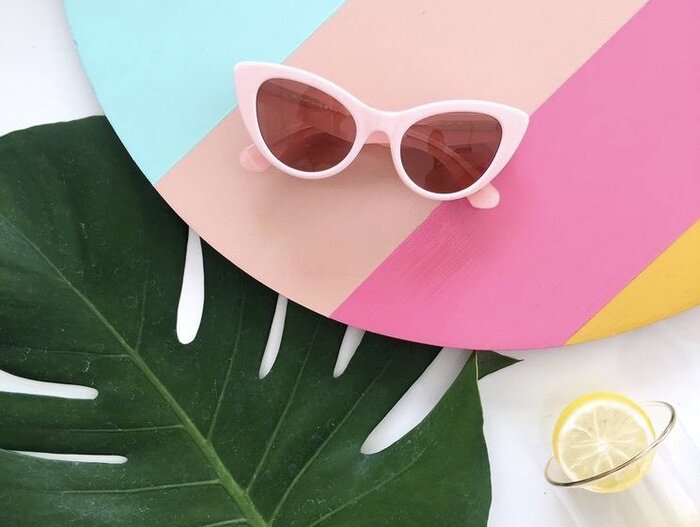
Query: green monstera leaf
{"type": "Point", "coordinates": [90, 268]}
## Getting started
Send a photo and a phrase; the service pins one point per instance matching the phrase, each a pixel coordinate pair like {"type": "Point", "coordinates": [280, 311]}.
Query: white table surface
{"type": "Point", "coordinates": [41, 81]}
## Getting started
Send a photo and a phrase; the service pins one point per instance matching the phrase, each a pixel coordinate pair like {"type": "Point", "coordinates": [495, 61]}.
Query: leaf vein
{"type": "Point", "coordinates": [325, 443]}
{"type": "Point", "coordinates": [234, 521]}
{"type": "Point", "coordinates": [283, 415]}
{"type": "Point", "coordinates": [229, 370]}
{"type": "Point", "coordinates": [26, 349]}
{"type": "Point", "coordinates": [377, 487]}
{"type": "Point", "coordinates": [153, 488]}
{"type": "Point", "coordinates": [124, 430]}
{"type": "Point", "coordinates": [139, 332]}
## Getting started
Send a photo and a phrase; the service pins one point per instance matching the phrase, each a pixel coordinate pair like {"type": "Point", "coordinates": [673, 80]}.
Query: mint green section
{"type": "Point", "coordinates": [162, 70]}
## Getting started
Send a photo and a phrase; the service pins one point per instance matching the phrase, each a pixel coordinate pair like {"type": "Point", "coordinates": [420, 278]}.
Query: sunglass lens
{"type": "Point", "coordinates": [448, 153]}
{"type": "Point", "coordinates": [303, 127]}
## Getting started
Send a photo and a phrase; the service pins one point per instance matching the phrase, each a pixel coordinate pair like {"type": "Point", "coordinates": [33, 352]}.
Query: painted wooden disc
{"type": "Point", "coordinates": [598, 227]}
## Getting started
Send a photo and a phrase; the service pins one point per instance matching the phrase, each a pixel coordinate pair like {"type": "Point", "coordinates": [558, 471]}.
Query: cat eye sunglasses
{"type": "Point", "coordinates": [308, 127]}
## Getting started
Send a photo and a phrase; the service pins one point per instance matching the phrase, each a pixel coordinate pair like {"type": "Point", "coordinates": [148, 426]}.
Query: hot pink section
{"type": "Point", "coordinates": [608, 177]}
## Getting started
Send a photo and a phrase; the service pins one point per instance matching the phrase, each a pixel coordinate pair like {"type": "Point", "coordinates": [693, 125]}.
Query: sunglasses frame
{"type": "Point", "coordinates": [372, 124]}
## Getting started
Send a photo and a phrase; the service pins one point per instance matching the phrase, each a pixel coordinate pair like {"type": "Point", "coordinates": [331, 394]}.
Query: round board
{"type": "Point", "coordinates": [597, 231]}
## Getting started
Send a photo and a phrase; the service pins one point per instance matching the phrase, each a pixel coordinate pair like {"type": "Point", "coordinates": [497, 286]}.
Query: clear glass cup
{"type": "Point", "coordinates": [668, 496]}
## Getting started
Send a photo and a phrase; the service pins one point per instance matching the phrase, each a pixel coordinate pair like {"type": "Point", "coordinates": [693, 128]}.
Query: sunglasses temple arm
{"type": "Point", "coordinates": [251, 159]}
{"type": "Point", "coordinates": [486, 198]}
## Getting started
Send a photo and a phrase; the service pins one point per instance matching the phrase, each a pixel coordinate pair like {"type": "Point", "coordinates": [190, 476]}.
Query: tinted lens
{"type": "Point", "coordinates": [303, 127]}
{"type": "Point", "coordinates": [450, 152]}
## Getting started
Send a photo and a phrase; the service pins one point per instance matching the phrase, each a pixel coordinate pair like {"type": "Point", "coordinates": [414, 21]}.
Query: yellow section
{"type": "Point", "coordinates": [669, 285]}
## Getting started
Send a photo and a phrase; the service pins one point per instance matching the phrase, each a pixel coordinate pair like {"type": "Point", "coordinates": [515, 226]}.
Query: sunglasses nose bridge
{"type": "Point", "coordinates": [380, 127]}
{"type": "Point", "coordinates": [377, 137]}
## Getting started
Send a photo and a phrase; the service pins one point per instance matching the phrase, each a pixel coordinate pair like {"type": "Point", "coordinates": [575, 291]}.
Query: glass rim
{"type": "Point", "coordinates": [640, 455]}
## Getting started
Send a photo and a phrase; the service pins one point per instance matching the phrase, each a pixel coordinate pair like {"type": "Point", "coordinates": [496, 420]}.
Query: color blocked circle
{"type": "Point", "coordinates": [597, 231]}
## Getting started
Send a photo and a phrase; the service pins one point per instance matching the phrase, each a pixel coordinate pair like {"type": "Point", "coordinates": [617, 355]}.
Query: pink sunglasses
{"type": "Point", "coordinates": [308, 127]}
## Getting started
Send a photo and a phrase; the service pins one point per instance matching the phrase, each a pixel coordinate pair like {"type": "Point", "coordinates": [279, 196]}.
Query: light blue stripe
{"type": "Point", "coordinates": [162, 69]}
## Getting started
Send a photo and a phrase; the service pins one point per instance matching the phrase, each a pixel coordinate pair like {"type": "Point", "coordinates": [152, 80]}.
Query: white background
{"type": "Point", "coordinates": [41, 81]}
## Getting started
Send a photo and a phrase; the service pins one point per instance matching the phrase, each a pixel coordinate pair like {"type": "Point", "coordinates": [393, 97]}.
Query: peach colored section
{"type": "Point", "coordinates": [398, 53]}
{"type": "Point", "coordinates": [316, 241]}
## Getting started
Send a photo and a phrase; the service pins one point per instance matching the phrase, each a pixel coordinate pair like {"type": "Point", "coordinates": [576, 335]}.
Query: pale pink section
{"type": "Point", "coordinates": [607, 177]}
{"type": "Point", "coordinates": [316, 241]}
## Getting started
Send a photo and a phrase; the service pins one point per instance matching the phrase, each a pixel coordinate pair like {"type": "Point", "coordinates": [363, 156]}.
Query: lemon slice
{"type": "Point", "coordinates": [598, 432]}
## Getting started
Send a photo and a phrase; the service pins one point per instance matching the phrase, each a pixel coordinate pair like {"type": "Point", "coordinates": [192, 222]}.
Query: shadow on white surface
{"type": "Point", "coordinates": [75, 458]}
{"type": "Point", "coordinates": [14, 384]}
{"type": "Point", "coordinates": [351, 341]}
{"type": "Point", "coordinates": [191, 303]}
{"type": "Point", "coordinates": [418, 401]}
{"type": "Point", "coordinates": [42, 78]}
{"type": "Point", "coordinates": [274, 338]}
